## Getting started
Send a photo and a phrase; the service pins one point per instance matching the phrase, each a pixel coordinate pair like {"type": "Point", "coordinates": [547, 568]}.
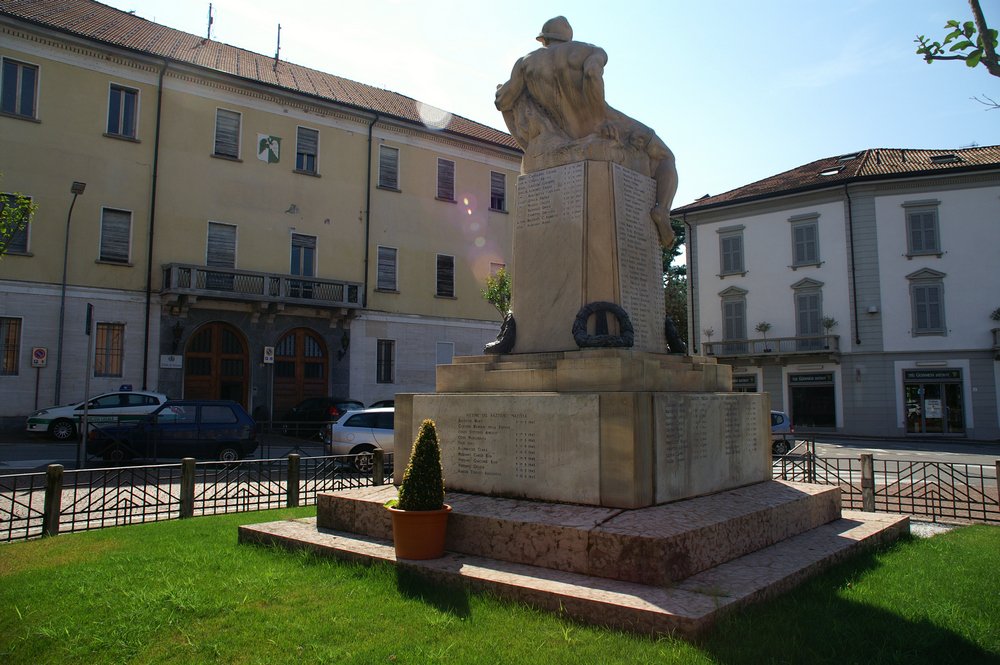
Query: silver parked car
{"type": "Point", "coordinates": [361, 431]}
{"type": "Point", "coordinates": [782, 433]}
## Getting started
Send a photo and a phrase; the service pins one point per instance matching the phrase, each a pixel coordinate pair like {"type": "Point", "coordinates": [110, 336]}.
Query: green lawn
{"type": "Point", "coordinates": [185, 591]}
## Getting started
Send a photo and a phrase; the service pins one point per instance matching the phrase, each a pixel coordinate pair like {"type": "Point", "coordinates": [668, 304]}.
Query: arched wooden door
{"type": "Point", "coordinates": [301, 368]}
{"type": "Point", "coordinates": [216, 364]}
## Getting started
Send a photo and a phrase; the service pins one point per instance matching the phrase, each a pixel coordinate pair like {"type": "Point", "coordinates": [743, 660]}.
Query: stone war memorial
{"type": "Point", "coordinates": [592, 465]}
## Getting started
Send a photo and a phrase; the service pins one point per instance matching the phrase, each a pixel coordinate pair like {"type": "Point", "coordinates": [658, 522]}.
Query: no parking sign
{"type": "Point", "coordinates": [39, 356]}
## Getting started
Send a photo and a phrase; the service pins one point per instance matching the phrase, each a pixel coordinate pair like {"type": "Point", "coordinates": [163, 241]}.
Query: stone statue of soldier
{"type": "Point", "coordinates": [555, 109]}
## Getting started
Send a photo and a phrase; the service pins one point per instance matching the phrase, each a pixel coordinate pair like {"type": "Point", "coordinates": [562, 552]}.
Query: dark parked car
{"type": "Point", "coordinates": [308, 416]}
{"type": "Point", "coordinates": [203, 429]}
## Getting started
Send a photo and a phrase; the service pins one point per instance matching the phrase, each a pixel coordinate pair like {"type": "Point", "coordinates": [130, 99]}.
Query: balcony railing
{"type": "Point", "coordinates": [245, 285]}
{"type": "Point", "coordinates": [774, 346]}
{"type": "Point", "coordinates": [996, 339]}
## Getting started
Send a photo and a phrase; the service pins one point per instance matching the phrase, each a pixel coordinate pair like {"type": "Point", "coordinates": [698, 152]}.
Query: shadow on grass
{"type": "Point", "coordinates": [451, 598]}
{"type": "Point", "coordinates": [816, 623]}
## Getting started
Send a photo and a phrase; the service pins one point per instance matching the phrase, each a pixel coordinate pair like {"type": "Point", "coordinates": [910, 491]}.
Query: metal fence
{"type": "Point", "coordinates": [59, 500]}
{"type": "Point", "coordinates": [934, 491]}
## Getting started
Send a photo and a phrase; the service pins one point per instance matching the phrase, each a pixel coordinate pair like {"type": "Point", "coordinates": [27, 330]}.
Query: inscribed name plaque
{"type": "Point", "coordinates": [545, 446]}
{"type": "Point", "coordinates": [707, 442]}
{"type": "Point", "coordinates": [640, 262]}
{"type": "Point", "coordinates": [548, 244]}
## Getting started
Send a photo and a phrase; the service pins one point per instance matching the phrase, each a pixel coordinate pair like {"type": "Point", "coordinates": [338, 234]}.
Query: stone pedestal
{"type": "Point", "coordinates": [604, 427]}
{"type": "Point", "coordinates": [583, 235]}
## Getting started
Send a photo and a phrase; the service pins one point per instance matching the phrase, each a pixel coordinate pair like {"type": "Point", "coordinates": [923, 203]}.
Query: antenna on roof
{"type": "Point", "coordinates": [211, 20]}
{"type": "Point", "coordinates": [278, 50]}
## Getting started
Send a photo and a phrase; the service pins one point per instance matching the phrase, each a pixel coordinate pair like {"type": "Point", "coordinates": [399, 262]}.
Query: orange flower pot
{"type": "Point", "coordinates": [419, 534]}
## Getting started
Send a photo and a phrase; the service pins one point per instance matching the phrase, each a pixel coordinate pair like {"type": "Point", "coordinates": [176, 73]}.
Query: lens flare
{"type": "Point", "coordinates": [432, 116]}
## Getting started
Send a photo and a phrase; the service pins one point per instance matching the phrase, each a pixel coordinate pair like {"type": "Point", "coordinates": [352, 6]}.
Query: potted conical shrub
{"type": "Point", "coordinates": [420, 515]}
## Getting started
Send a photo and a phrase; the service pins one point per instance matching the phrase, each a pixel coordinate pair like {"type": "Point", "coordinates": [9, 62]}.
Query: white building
{"type": "Point", "coordinates": [899, 249]}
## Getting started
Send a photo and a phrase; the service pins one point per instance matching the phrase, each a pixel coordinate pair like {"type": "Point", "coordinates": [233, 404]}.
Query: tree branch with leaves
{"type": "Point", "coordinates": [497, 291]}
{"type": "Point", "coordinates": [965, 42]}
{"type": "Point", "coordinates": [16, 211]}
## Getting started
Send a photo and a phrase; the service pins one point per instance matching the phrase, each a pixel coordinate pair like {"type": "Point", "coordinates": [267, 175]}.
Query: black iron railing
{"type": "Point", "coordinates": [927, 490]}
{"type": "Point", "coordinates": [59, 500]}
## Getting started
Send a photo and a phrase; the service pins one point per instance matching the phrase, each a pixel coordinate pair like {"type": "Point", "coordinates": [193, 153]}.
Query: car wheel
{"type": "Point", "coordinates": [780, 447]}
{"type": "Point", "coordinates": [116, 454]}
{"type": "Point", "coordinates": [62, 430]}
{"type": "Point", "coordinates": [365, 460]}
{"type": "Point", "coordinates": [228, 454]}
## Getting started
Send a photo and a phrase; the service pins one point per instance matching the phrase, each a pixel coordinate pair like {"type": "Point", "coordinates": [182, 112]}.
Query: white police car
{"type": "Point", "coordinates": [60, 422]}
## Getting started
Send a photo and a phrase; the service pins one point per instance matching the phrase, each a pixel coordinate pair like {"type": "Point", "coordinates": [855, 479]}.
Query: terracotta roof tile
{"type": "Point", "coordinates": [93, 20]}
{"type": "Point", "coordinates": [871, 164]}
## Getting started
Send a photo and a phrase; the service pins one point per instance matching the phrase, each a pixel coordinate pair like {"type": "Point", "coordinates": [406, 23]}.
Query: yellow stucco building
{"type": "Point", "coordinates": [236, 209]}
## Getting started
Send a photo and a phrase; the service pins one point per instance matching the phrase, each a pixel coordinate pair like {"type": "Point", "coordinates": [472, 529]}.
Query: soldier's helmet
{"type": "Point", "coordinates": [557, 30]}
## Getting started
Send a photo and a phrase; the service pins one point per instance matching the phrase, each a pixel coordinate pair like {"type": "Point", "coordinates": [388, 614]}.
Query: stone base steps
{"type": "Point", "coordinates": [684, 608]}
{"type": "Point", "coordinates": [657, 545]}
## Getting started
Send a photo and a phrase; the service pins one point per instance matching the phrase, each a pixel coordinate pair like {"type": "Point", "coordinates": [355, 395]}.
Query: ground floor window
{"type": "Point", "coordinates": [10, 345]}
{"type": "Point", "coordinates": [385, 364]}
{"type": "Point", "coordinates": [813, 400]}
{"type": "Point", "coordinates": [934, 401]}
{"type": "Point", "coordinates": [109, 349]}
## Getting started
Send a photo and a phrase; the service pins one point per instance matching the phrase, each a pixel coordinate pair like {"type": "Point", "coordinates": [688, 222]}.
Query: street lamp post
{"type": "Point", "coordinates": [76, 189]}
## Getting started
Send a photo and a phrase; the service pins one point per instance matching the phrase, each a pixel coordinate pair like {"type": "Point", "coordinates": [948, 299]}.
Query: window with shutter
{"type": "Point", "coordinates": [116, 235]}
{"type": "Point", "coordinates": [731, 249]}
{"type": "Point", "coordinates": [445, 276]}
{"type": "Point", "coordinates": [386, 269]}
{"type": "Point", "coordinates": [221, 246]}
{"type": "Point", "coordinates": [928, 316]}
{"type": "Point", "coordinates": [227, 133]}
{"type": "Point", "coordinates": [306, 150]}
{"type": "Point", "coordinates": [446, 180]}
{"type": "Point", "coordinates": [388, 167]}
{"type": "Point", "coordinates": [923, 232]}
{"type": "Point", "coordinates": [498, 191]}
{"type": "Point", "coordinates": [805, 243]}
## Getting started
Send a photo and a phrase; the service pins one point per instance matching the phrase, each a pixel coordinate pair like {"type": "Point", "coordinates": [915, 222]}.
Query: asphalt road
{"type": "Point", "coordinates": [25, 453]}
{"type": "Point", "coordinates": [18, 455]}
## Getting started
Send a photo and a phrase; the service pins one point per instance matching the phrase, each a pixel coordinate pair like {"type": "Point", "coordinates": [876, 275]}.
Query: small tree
{"type": "Point", "coordinates": [16, 212]}
{"type": "Point", "coordinates": [423, 485]}
{"type": "Point", "coordinates": [995, 314]}
{"type": "Point", "coordinates": [497, 291]}
{"type": "Point", "coordinates": [829, 323]}
{"type": "Point", "coordinates": [762, 328]}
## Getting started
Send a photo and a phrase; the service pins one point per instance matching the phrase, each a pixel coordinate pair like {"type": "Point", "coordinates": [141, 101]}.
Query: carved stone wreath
{"type": "Point", "coordinates": [601, 338]}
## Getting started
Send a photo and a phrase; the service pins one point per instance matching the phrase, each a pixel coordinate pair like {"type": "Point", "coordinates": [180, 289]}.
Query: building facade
{"type": "Point", "coordinates": [858, 291]}
{"type": "Point", "coordinates": [247, 228]}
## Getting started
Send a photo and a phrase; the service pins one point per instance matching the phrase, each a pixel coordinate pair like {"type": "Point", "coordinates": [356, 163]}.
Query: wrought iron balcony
{"type": "Point", "coordinates": [191, 282]}
{"type": "Point", "coordinates": [774, 346]}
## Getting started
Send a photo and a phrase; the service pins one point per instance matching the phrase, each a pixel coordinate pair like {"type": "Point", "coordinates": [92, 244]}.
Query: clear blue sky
{"type": "Point", "coordinates": [739, 89]}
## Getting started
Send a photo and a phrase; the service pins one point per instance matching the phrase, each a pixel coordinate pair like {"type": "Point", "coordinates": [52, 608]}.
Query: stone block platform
{"type": "Point", "coordinates": [673, 568]}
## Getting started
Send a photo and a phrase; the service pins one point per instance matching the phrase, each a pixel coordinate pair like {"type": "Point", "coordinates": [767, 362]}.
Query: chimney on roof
{"type": "Point", "coordinates": [902, 155]}
{"type": "Point", "coordinates": [878, 158]}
